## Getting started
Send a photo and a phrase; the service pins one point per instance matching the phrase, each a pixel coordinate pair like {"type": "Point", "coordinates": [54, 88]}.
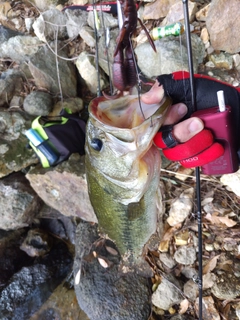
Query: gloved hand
{"type": "Point", "coordinates": [188, 141]}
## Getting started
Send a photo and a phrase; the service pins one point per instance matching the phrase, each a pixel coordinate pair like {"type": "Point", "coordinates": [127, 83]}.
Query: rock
{"type": "Point", "coordinates": [105, 19]}
{"type": "Point", "coordinates": [227, 287]}
{"type": "Point", "coordinates": [61, 305]}
{"type": "Point", "coordinates": [222, 60]}
{"type": "Point", "coordinates": [208, 280]}
{"type": "Point", "coordinates": [31, 286]}
{"type": "Point", "coordinates": [87, 69]}
{"type": "Point", "coordinates": [19, 203]}
{"type": "Point", "coordinates": [167, 59]}
{"type": "Point", "coordinates": [232, 181]}
{"type": "Point", "coordinates": [38, 103]}
{"type": "Point", "coordinates": [202, 14]}
{"type": "Point", "coordinates": [6, 33]}
{"type": "Point", "coordinates": [157, 9]}
{"type": "Point", "coordinates": [47, 74]}
{"type": "Point", "coordinates": [50, 25]}
{"type": "Point", "coordinates": [37, 243]}
{"type": "Point", "coordinates": [20, 48]}
{"type": "Point", "coordinates": [15, 155]}
{"type": "Point", "coordinates": [103, 291]}
{"type": "Point", "coordinates": [176, 13]}
{"type": "Point", "coordinates": [166, 295]}
{"type": "Point", "coordinates": [190, 289]}
{"type": "Point", "coordinates": [185, 255]}
{"type": "Point", "coordinates": [104, 52]}
{"type": "Point", "coordinates": [64, 188]}
{"type": "Point", "coordinates": [76, 20]}
{"type": "Point", "coordinates": [44, 5]}
{"type": "Point", "coordinates": [167, 259]}
{"type": "Point", "coordinates": [87, 34]}
{"type": "Point", "coordinates": [220, 29]}
{"type": "Point", "coordinates": [11, 83]}
{"type": "Point", "coordinates": [11, 256]}
{"type": "Point", "coordinates": [75, 105]}
{"type": "Point", "coordinates": [181, 207]}
{"type": "Point", "coordinates": [55, 223]}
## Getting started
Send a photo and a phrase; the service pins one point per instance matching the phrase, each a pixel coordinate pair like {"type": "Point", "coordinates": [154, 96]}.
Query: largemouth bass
{"type": "Point", "coordinates": [123, 167]}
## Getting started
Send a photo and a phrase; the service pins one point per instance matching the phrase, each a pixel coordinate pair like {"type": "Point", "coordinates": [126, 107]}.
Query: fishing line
{"type": "Point", "coordinates": [197, 171]}
{"type": "Point", "coordinates": [139, 87]}
{"type": "Point", "coordinates": [107, 43]}
{"type": "Point", "coordinates": [96, 30]}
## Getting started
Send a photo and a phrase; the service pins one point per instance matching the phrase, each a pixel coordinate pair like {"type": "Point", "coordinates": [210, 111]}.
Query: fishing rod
{"type": "Point", "coordinates": [197, 170]}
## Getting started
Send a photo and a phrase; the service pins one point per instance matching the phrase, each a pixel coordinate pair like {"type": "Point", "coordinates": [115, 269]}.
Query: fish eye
{"type": "Point", "coordinates": [96, 144]}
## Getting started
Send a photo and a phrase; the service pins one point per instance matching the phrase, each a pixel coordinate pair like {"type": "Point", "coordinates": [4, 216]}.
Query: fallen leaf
{"type": "Point", "coordinates": [163, 246]}
{"type": "Point", "coordinates": [103, 263]}
{"type": "Point", "coordinates": [111, 251]}
{"type": "Point", "coordinates": [183, 306]}
{"type": "Point", "coordinates": [209, 310]}
{"type": "Point", "coordinates": [211, 265]}
{"type": "Point", "coordinates": [219, 221]}
{"type": "Point", "coordinates": [77, 278]}
{"type": "Point", "coordinates": [182, 238]}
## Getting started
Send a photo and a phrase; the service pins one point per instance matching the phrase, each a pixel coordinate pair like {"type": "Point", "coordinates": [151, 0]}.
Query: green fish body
{"type": "Point", "coordinates": [123, 167]}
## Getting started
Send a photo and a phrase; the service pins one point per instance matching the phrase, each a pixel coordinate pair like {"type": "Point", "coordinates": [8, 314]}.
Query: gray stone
{"type": "Point", "coordinates": [14, 154]}
{"type": "Point", "coordinates": [64, 188]}
{"type": "Point", "coordinates": [185, 255]}
{"type": "Point", "coordinates": [87, 69]}
{"type": "Point", "coordinates": [87, 34]}
{"type": "Point", "coordinates": [167, 259]}
{"type": "Point", "coordinates": [20, 48]}
{"type": "Point", "coordinates": [38, 103]}
{"type": "Point", "coordinates": [166, 60]}
{"type": "Point", "coordinates": [50, 25]}
{"type": "Point", "coordinates": [47, 74]}
{"type": "Point", "coordinates": [166, 295]}
{"type": "Point", "coordinates": [227, 287]}
{"type": "Point", "coordinates": [11, 83]}
{"type": "Point", "coordinates": [19, 203]}
{"type": "Point", "coordinates": [106, 293]}
{"type": "Point", "coordinates": [190, 289]}
{"type": "Point", "coordinates": [31, 285]}
{"type": "Point", "coordinates": [106, 20]}
{"type": "Point", "coordinates": [76, 19]}
{"type": "Point", "coordinates": [6, 34]}
{"type": "Point", "coordinates": [223, 31]}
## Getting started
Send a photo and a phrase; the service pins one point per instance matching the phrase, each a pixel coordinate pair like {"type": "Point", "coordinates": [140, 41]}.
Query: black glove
{"type": "Point", "coordinates": [177, 86]}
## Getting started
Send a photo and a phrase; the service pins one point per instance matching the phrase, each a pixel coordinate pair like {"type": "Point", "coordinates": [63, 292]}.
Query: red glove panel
{"type": "Point", "coordinates": [198, 151]}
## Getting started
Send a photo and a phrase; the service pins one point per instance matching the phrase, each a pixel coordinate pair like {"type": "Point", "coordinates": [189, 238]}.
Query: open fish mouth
{"type": "Point", "coordinates": [126, 112]}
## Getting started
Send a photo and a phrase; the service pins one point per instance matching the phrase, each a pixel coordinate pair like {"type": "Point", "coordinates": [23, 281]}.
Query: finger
{"type": "Point", "coordinates": [186, 129]}
{"type": "Point", "coordinates": [154, 95]}
{"type": "Point", "coordinates": [175, 113]}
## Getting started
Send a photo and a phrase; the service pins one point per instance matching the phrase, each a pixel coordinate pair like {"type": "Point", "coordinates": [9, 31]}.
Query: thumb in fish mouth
{"type": "Point", "coordinates": [154, 95]}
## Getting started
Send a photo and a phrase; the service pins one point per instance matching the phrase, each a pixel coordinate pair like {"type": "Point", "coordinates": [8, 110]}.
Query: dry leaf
{"type": "Point", "coordinates": [77, 278]}
{"type": "Point", "coordinates": [219, 221]}
{"type": "Point", "coordinates": [103, 263]}
{"type": "Point", "coordinates": [163, 246]}
{"type": "Point", "coordinates": [211, 265]}
{"type": "Point", "coordinates": [182, 238]}
{"type": "Point", "coordinates": [111, 251]}
{"type": "Point", "coordinates": [209, 310]}
{"type": "Point", "coordinates": [183, 306]}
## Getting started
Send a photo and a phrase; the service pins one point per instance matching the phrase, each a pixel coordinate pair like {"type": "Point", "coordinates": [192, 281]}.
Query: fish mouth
{"type": "Point", "coordinates": [126, 112]}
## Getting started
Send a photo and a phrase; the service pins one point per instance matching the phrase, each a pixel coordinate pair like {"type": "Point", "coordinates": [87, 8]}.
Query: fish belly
{"type": "Point", "coordinates": [129, 226]}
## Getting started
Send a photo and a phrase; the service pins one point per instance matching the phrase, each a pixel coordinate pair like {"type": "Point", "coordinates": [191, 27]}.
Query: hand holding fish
{"type": "Point", "coordinates": [187, 141]}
